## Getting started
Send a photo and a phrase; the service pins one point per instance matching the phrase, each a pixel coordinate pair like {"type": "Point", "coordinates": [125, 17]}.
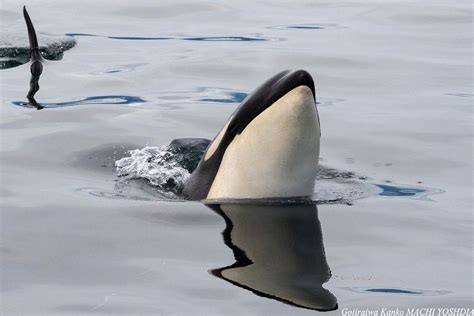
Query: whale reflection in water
{"type": "Point", "coordinates": [279, 253]}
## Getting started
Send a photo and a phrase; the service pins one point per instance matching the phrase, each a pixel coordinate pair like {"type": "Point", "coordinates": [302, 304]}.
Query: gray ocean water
{"type": "Point", "coordinates": [393, 225]}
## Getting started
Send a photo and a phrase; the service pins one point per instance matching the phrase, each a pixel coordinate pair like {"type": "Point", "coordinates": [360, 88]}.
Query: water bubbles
{"type": "Point", "coordinates": [165, 167]}
{"type": "Point", "coordinates": [155, 164]}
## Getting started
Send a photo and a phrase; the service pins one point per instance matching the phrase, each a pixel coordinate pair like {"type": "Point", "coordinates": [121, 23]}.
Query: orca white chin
{"type": "Point", "coordinates": [276, 155]}
{"type": "Point", "coordinates": [269, 148]}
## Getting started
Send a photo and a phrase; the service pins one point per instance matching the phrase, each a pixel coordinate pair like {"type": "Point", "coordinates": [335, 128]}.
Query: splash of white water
{"type": "Point", "coordinates": [155, 164]}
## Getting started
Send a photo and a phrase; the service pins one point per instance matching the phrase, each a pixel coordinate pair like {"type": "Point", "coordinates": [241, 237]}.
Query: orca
{"type": "Point", "coordinates": [281, 257]}
{"type": "Point", "coordinates": [268, 148]}
{"type": "Point", "coordinates": [36, 62]}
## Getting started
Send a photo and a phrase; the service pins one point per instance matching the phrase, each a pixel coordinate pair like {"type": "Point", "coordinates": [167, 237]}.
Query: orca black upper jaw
{"type": "Point", "coordinates": [298, 78]}
{"type": "Point", "coordinates": [267, 94]}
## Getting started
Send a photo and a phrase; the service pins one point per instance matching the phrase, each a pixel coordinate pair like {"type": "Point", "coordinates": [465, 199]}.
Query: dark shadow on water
{"type": "Point", "coordinates": [103, 99]}
{"type": "Point", "coordinates": [279, 253]}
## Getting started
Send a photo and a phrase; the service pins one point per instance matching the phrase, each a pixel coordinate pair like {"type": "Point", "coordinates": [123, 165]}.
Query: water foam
{"type": "Point", "coordinates": [155, 164]}
{"type": "Point", "coordinates": [165, 167]}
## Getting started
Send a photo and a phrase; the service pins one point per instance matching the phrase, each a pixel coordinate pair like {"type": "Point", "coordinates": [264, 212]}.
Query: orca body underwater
{"type": "Point", "coordinates": [269, 147]}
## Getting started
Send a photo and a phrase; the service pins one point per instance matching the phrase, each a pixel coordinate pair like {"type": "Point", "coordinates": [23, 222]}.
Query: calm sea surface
{"type": "Point", "coordinates": [394, 86]}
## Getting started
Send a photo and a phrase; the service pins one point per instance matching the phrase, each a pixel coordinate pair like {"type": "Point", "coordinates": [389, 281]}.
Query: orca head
{"type": "Point", "coordinates": [269, 147]}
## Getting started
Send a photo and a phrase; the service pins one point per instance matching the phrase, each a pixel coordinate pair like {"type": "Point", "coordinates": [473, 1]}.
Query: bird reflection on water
{"type": "Point", "coordinates": [279, 253]}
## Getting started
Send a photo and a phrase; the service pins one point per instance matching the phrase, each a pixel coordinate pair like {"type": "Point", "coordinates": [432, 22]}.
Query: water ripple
{"type": "Point", "coordinates": [309, 26]}
{"type": "Point", "coordinates": [462, 95]}
{"type": "Point", "coordinates": [231, 97]}
{"type": "Point", "coordinates": [203, 94]}
{"type": "Point", "coordinates": [105, 99]}
{"type": "Point", "coordinates": [416, 192]}
{"type": "Point", "coordinates": [121, 68]}
{"type": "Point", "coordinates": [396, 291]}
{"type": "Point", "coordinates": [226, 38]}
{"type": "Point", "coordinates": [140, 38]}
